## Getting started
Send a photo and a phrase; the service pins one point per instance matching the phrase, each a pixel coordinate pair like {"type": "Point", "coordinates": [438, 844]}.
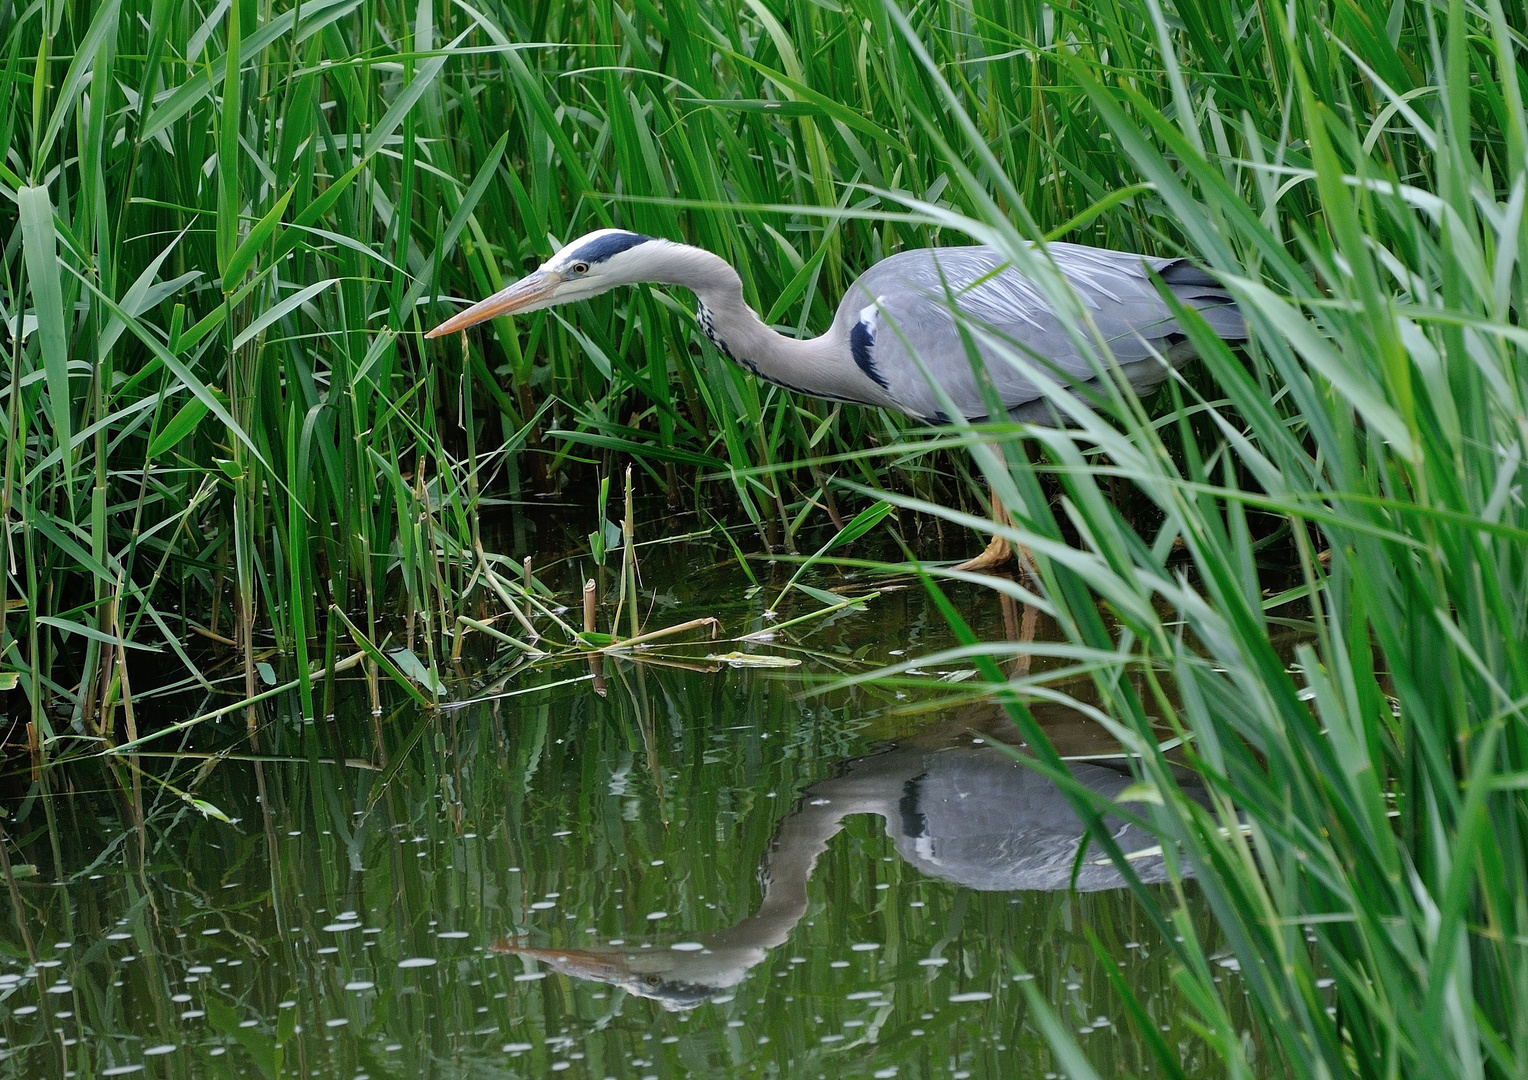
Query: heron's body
{"type": "Point", "coordinates": [896, 335]}
{"type": "Point", "coordinates": [956, 808]}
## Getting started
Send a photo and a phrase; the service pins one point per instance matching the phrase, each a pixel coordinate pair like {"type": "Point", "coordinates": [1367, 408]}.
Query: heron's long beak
{"type": "Point", "coordinates": [597, 964]}
{"type": "Point", "coordinates": [517, 297]}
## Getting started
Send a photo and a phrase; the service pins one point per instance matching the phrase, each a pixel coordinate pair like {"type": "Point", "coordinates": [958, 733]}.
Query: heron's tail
{"type": "Point", "coordinates": [1197, 289]}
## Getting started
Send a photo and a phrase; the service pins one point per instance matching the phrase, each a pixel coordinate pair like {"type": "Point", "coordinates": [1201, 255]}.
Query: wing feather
{"type": "Point", "coordinates": [913, 293]}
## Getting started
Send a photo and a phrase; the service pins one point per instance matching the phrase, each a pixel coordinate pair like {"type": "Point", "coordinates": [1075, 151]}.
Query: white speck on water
{"type": "Point", "coordinates": [970, 995]}
{"type": "Point", "coordinates": [328, 950]}
{"type": "Point", "coordinates": [61, 988]}
{"type": "Point", "coordinates": [839, 964]}
{"type": "Point", "coordinates": [934, 961]}
{"type": "Point", "coordinates": [687, 946]}
{"type": "Point", "coordinates": [359, 984]}
{"type": "Point", "coordinates": [192, 1014]}
{"type": "Point", "coordinates": [864, 946]}
{"type": "Point", "coordinates": [517, 1048]}
{"type": "Point", "coordinates": [121, 1070]}
{"type": "Point", "coordinates": [341, 927]}
{"type": "Point", "coordinates": [119, 936]}
{"type": "Point", "coordinates": [542, 905]}
{"type": "Point", "coordinates": [417, 962]}
{"type": "Point", "coordinates": [180, 999]}
{"type": "Point", "coordinates": [563, 832]}
{"type": "Point", "coordinates": [652, 915]}
{"type": "Point", "coordinates": [656, 862]}
{"type": "Point", "coordinates": [1322, 984]}
{"type": "Point", "coordinates": [530, 976]}
{"type": "Point", "coordinates": [452, 934]}
{"type": "Point", "coordinates": [885, 1074]}
{"type": "Point", "coordinates": [832, 1038]}
{"type": "Point", "coordinates": [722, 999]}
{"type": "Point", "coordinates": [200, 969]}
{"type": "Point", "coordinates": [162, 1048]}
{"type": "Point", "coordinates": [864, 995]}
{"type": "Point", "coordinates": [249, 1023]}
{"type": "Point", "coordinates": [338, 1021]}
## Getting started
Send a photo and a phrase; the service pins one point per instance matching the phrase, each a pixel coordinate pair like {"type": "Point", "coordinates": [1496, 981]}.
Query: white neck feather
{"type": "Point", "coordinates": [821, 366]}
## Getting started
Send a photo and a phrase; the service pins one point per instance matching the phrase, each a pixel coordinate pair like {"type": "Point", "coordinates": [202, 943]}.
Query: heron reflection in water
{"type": "Point", "coordinates": [956, 806]}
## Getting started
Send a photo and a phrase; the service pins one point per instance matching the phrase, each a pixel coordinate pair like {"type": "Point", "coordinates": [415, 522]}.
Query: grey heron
{"type": "Point", "coordinates": [955, 807]}
{"type": "Point", "coordinates": [895, 341]}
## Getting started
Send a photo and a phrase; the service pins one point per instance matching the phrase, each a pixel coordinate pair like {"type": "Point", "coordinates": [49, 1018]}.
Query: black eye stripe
{"type": "Point", "coordinates": [597, 251]}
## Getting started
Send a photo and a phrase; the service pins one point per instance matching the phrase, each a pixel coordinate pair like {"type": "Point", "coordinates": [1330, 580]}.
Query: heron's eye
{"type": "Point", "coordinates": [579, 268]}
{"type": "Point", "coordinates": [653, 980]}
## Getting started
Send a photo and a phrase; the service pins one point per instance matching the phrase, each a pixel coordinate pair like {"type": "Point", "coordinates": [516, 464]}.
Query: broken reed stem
{"type": "Point", "coordinates": [629, 559]}
{"type": "Point", "coordinates": [596, 661]}
{"type": "Point", "coordinates": [667, 631]}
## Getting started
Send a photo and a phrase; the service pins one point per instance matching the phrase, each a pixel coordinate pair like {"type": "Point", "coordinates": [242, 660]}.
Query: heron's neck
{"type": "Point", "coordinates": [874, 785]}
{"type": "Point", "coordinates": [821, 366]}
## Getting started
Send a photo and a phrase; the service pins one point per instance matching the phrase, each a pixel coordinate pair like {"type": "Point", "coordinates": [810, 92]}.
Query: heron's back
{"type": "Point", "coordinates": [903, 333]}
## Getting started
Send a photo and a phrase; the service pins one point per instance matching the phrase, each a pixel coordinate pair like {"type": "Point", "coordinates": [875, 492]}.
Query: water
{"type": "Point", "coordinates": [567, 883]}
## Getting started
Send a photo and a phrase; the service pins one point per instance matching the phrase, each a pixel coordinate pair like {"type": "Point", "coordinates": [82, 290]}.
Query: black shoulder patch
{"type": "Point", "coordinates": [597, 251]}
{"type": "Point", "coordinates": [861, 341]}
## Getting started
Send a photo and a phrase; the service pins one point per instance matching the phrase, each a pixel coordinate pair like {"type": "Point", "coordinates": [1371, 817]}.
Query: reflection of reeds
{"type": "Point", "coordinates": [459, 835]}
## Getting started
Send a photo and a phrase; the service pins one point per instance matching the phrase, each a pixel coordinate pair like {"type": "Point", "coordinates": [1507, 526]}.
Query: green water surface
{"type": "Point", "coordinates": [498, 890]}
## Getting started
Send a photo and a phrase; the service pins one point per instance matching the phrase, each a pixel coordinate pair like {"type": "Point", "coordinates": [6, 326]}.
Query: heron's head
{"type": "Point", "coordinates": [678, 979]}
{"type": "Point", "coordinates": [594, 263]}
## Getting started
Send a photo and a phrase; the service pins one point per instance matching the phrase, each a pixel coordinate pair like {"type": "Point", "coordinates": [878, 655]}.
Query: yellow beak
{"type": "Point", "coordinates": [517, 297]}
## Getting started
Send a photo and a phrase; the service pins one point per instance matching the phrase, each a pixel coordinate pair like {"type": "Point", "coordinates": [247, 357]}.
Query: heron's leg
{"type": "Point", "coordinates": [999, 551]}
{"type": "Point", "coordinates": [1019, 628]}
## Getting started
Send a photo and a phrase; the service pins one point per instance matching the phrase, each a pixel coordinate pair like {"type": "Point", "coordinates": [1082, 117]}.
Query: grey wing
{"type": "Point", "coordinates": [903, 332]}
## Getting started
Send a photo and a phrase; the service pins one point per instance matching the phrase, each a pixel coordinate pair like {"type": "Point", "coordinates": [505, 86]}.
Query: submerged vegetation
{"type": "Point", "coordinates": [227, 224]}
